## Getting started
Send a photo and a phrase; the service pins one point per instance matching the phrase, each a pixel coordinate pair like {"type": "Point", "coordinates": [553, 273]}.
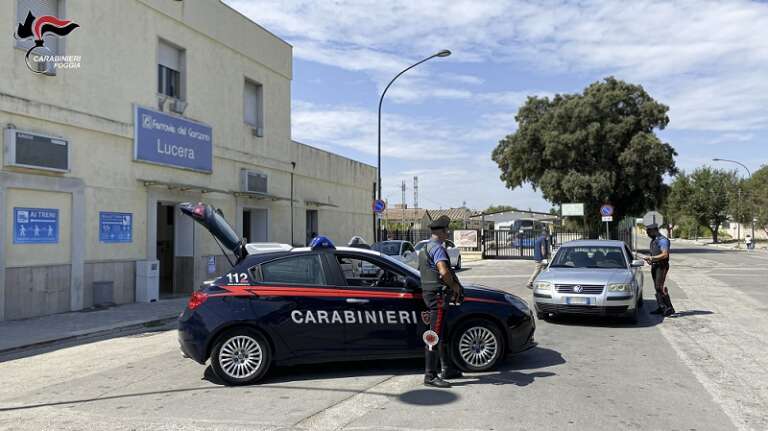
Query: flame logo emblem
{"type": "Point", "coordinates": [39, 27]}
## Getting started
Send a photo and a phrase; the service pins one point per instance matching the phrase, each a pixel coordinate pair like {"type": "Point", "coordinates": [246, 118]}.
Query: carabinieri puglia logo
{"type": "Point", "coordinates": [39, 53]}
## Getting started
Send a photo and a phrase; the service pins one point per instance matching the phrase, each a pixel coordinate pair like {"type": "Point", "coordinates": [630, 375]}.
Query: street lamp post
{"type": "Point", "coordinates": [752, 207]}
{"type": "Point", "coordinates": [443, 53]}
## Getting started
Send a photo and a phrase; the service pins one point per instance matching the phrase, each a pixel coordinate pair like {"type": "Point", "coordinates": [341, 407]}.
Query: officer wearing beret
{"type": "Point", "coordinates": [439, 286]}
{"type": "Point", "coordinates": [659, 261]}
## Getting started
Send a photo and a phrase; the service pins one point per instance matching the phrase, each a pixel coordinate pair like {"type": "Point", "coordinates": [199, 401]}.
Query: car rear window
{"type": "Point", "coordinates": [304, 269]}
{"type": "Point", "coordinates": [589, 257]}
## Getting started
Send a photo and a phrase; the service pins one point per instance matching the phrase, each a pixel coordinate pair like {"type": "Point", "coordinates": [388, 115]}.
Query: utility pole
{"type": "Point", "coordinates": [415, 192]}
{"type": "Point", "coordinates": [402, 204]}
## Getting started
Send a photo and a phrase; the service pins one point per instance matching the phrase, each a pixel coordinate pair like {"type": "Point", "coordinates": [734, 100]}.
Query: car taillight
{"type": "Point", "coordinates": [196, 299]}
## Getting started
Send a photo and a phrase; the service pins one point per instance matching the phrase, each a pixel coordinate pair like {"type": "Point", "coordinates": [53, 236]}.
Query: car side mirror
{"type": "Point", "coordinates": [412, 283]}
{"type": "Point", "coordinates": [637, 263]}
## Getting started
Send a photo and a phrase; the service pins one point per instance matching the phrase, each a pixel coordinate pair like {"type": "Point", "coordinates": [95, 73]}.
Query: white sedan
{"type": "Point", "coordinates": [399, 250]}
{"type": "Point", "coordinates": [454, 253]}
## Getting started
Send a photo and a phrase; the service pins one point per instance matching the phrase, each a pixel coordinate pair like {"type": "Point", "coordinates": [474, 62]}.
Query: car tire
{"type": "Point", "coordinates": [632, 317]}
{"type": "Point", "coordinates": [458, 264]}
{"type": "Point", "coordinates": [477, 346]}
{"type": "Point", "coordinates": [542, 315]}
{"type": "Point", "coordinates": [640, 300]}
{"type": "Point", "coordinates": [241, 356]}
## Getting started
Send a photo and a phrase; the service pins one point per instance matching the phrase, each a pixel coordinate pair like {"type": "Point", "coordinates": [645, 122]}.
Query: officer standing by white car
{"type": "Point", "coordinates": [659, 261]}
{"type": "Point", "coordinates": [439, 286]}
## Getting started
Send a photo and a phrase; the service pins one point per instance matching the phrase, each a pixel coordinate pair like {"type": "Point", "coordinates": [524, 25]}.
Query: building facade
{"type": "Point", "coordinates": [158, 102]}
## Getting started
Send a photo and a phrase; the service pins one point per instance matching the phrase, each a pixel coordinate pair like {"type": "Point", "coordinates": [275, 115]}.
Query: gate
{"type": "Point", "coordinates": [506, 244]}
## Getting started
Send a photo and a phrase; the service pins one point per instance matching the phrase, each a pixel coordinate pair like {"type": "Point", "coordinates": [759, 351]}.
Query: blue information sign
{"type": "Point", "coordinates": [169, 140]}
{"type": "Point", "coordinates": [35, 225]}
{"type": "Point", "coordinates": [115, 227]}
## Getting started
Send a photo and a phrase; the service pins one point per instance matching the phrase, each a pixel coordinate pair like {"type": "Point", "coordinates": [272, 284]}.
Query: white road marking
{"type": "Point", "coordinates": [358, 405]}
{"type": "Point", "coordinates": [727, 350]}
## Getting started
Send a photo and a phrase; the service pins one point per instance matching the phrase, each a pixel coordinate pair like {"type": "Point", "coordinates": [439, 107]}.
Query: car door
{"type": "Point", "coordinates": [410, 257]}
{"type": "Point", "coordinates": [302, 308]}
{"type": "Point", "coordinates": [453, 252]}
{"type": "Point", "coordinates": [637, 273]}
{"type": "Point", "coordinates": [386, 306]}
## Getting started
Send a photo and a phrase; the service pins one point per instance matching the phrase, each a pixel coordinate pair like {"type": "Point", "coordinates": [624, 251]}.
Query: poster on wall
{"type": "Point", "coordinates": [465, 238]}
{"type": "Point", "coordinates": [35, 225]}
{"type": "Point", "coordinates": [115, 227]}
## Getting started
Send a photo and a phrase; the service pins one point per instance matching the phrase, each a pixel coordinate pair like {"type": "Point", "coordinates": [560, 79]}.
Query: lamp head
{"type": "Point", "coordinates": [443, 53]}
{"type": "Point", "coordinates": [715, 160]}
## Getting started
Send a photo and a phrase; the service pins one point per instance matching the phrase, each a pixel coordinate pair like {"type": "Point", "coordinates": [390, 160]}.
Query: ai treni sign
{"type": "Point", "coordinates": [169, 140]}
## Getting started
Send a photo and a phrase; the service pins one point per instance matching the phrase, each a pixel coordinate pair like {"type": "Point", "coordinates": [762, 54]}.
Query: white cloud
{"type": "Point", "coordinates": [707, 59]}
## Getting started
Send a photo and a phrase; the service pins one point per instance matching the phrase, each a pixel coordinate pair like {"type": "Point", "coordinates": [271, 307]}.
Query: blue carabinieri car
{"type": "Point", "coordinates": [284, 305]}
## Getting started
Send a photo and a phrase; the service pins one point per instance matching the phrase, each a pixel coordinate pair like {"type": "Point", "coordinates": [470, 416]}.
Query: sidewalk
{"type": "Point", "coordinates": [19, 334]}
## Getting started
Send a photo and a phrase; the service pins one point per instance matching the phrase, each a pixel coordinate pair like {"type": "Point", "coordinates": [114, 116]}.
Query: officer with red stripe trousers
{"type": "Point", "coordinates": [439, 286]}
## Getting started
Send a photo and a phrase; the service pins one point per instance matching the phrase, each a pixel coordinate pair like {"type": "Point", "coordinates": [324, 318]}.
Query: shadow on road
{"type": "Point", "coordinates": [687, 313]}
{"type": "Point", "coordinates": [508, 373]}
{"type": "Point", "coordinates": [644, 320]}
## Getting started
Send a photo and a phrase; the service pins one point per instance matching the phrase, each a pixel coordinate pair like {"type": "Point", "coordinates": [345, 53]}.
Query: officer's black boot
{"type": "Point", "coordinates": [661, 305]}
{"type": "Point", "coordinates": [430, 371]}
{"type": "Point", "coordinates": [447, 369]}
{"type": "Point", "coordinates": [670, 310]}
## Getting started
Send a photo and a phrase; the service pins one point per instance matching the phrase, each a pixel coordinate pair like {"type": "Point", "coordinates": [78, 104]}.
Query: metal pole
{"type": "Point", "coordinates": [443, 53]}
{"type": "Point", "coordinates": [293, 168]}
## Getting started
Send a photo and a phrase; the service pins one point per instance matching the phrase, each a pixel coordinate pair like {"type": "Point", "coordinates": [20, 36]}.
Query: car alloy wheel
{"type": "Point", "coordinates": [240, 357]}
{"type": "Point", "coordinates": [478, 347]}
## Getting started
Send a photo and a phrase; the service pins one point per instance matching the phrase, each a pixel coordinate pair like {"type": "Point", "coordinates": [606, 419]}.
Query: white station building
{"type": "Point", "coordinates": [146, 104]}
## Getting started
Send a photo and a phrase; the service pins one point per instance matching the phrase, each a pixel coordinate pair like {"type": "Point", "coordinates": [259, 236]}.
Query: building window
{"type": "Point", "coordinates": [170, 70]}
{"type": "Point", "coordinates": [39, 8]}
{"type": "Point", "coordinates": [253, 108]}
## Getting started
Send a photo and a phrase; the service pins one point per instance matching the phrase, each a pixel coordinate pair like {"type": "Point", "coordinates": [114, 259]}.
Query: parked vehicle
{"type": "Point", "coordinates": [311, 304]}
{"type": "Point", "coordinates": [454, 253]}
{"type": "Point", "coordinates": [398, 250]}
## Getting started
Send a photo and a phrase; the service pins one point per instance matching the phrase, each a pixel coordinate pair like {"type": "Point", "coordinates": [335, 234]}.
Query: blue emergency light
{"type": "Point", "coordinates": [320, 243]}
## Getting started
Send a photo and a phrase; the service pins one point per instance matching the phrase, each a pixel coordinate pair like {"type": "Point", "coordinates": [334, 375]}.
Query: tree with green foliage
{"type": "Point", "coordinates": [710, 196]}
{"type": "Point", "coordinates": [594, 147]}
{"type": "Point", "coordinates": [757, 192]}
{"type": "Point", "coordinates": [499, 208]}
{"type": "Point", "coordinates": [676, 204]}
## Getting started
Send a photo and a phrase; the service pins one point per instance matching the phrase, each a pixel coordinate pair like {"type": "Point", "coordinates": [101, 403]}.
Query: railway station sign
{"type": "Point", "coordinates": [35, 225]}
{"type": "Point", "coordinates": [170, 140]}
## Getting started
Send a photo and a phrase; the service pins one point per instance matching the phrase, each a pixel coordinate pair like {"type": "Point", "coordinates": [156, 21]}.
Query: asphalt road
{"type": "Point", "coordinates": [705, 370]}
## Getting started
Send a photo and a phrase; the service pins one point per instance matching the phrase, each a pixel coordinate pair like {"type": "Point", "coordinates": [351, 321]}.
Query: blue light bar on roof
{"type": "Point", "coordinates": [321, 242]}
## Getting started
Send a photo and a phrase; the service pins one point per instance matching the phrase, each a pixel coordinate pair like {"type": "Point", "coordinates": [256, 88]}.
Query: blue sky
{"type": "Point", "coordinates": [708, 61]}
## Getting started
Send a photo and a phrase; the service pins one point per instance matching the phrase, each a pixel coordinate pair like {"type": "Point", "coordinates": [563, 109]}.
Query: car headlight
{"type": "Point", "coordinates": [517, 303]}
{"type": "Point", "coordinates": [542, 285]}
{"type": "Point", "coordinates": [620, 287]}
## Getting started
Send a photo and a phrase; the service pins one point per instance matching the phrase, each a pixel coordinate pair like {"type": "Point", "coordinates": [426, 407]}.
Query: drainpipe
{"type": "Point", "coordinates": [293, 168]}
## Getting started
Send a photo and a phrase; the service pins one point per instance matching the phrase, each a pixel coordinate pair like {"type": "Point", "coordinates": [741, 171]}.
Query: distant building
{"type": "Point", "coordinates": [507, 219]}
{"type": "Point", "coordinates": [401, 217]}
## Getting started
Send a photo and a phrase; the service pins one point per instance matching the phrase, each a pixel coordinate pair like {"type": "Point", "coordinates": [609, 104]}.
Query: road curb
{"type": "Point", "coordinates": [98, 332]}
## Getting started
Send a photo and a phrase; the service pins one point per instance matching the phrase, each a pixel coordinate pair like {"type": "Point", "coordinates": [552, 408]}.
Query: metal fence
{"type": "Point", "coordinates": [416, 235]}
{"type": "Point", "coordinates": [507, 244]}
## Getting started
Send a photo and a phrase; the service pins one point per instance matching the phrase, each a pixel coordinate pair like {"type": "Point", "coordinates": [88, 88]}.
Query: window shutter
{"type": "Point", "coordinates": [169, 56]}
{"type": "Point", "coordinates": [250, 101]}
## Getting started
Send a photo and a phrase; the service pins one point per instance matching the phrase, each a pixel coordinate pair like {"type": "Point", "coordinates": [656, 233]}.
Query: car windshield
{"type": "Point", "coordinates": [390, 248]}
{"type": "Point", "coordinates": [589, 257]}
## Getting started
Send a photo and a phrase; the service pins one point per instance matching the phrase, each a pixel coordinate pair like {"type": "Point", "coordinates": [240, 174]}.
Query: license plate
{"type": "Point", "coordinates": [580, 300]}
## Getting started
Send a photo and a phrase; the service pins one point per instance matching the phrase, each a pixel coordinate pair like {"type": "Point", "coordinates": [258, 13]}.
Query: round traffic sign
{"type": "Point", "coordinates": [606, 210]}
{"type": "Point", "coordinates": [652, 217]}
{"type": "Point", "coordinates": [379, 206]}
